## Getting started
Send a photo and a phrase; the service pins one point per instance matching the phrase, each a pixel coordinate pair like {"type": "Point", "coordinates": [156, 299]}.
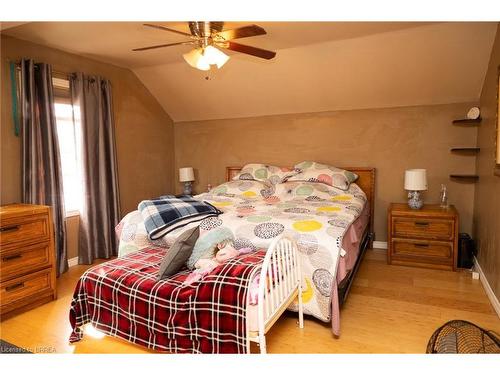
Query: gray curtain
{"type": "Point", "coordinates": [101, 209]}
{"type": "Point", "coordinates": [41, 165]}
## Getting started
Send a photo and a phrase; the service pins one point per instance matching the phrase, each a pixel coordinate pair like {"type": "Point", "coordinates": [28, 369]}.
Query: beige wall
{"type": "Point", "coordinates": [487, 202]}
{"type": "Point", "coordinates": [144, 131]}
{"type": "Point", "coordinates": [391, 140]}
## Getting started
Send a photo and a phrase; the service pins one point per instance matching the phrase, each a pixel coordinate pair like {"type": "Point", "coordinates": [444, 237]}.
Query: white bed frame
{"type": "Point", "coordinates": [283, 261]}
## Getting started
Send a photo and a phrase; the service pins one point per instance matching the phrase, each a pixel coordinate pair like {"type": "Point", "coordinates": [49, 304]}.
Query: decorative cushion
{"type": "Point", "coordinates": [178, 253]}
{"type": "Point", "coordinates": [305, 189]}
{"type": "Point", "coordinates": [132, 235]}
{"type": "Point", "coordinates": [262, 172]}
{"type": "Point", "coordinates": [327, 174]}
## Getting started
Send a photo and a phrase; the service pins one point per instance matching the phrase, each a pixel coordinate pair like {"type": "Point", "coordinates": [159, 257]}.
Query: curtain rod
{"type": "Point", "coordinates": [55, 72]}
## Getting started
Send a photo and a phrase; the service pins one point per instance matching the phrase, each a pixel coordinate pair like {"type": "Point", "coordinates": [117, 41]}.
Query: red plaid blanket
{"type": "Point", "coordinates": [122, 298]}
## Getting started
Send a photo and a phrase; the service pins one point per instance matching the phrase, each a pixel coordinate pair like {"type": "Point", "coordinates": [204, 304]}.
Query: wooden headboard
{"type": "Point", "coordinates": [366, 181]}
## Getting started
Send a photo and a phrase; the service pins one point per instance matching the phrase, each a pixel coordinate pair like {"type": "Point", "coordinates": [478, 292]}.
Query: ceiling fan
{"type": "Point", "coordinates": [207, 37]}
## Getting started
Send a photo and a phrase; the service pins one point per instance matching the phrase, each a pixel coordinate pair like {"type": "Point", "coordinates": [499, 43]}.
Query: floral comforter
{"type": "Point", "coordinates": [315, 214]}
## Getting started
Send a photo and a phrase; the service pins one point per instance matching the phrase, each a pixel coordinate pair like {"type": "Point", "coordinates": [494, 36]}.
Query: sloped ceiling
{"type": "Point", "coordinates": [318, 67]}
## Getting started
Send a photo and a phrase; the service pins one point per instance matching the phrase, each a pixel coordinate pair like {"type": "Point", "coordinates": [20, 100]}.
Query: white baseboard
{"type": "Point", "coordinates": [487, 288]}
{"type": "Point", "coordinates": [73, 262]}
{"type": "Point", "coordinates": [379, 245]}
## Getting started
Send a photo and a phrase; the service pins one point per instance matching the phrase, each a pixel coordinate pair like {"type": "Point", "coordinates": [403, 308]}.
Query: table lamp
{"type": "Point", "coordinates": [186, 175]}
{"type": "Point", "coordinates": [415, 182]}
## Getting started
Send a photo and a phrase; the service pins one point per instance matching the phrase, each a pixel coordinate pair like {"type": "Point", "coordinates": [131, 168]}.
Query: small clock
{"type": "Point", "coordinates": [473, 113]}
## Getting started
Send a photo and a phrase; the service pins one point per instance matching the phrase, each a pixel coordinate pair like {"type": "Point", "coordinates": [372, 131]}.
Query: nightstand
{"type": "Point", "coordinates": [423, 238]}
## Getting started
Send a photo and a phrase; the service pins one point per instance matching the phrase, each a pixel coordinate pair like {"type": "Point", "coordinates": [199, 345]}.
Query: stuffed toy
{"type": "Point", "coordinates": [223, 252]}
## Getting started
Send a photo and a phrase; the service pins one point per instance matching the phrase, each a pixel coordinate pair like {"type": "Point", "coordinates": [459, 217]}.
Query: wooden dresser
{"type": "Point", "coordinates": [27, 258]}
{"type": "Point", "coordinates": [424, 238]}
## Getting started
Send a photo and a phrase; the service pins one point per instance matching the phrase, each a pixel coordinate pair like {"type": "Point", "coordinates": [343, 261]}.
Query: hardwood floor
{"type": "Point", "coordinates": [390, 309]}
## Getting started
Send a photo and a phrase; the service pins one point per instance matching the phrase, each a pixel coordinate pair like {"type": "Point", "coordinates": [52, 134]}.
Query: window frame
{"type": "Point", "coordinates": [61, 89]}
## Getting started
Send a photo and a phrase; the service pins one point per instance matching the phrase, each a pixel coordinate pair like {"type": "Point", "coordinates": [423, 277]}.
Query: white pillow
{"type": "Point", "coordinates": [263, 172]}
{"type": "Point", "coordinates": [316, 172]}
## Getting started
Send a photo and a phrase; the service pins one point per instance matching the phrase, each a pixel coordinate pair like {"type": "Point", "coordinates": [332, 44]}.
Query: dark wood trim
{"type": "Point", "coordinates": [467, 121]}
{"type": "Point", "coordinates": [472, 177]}
{"type": "Point", "coordinates": [471, 150]}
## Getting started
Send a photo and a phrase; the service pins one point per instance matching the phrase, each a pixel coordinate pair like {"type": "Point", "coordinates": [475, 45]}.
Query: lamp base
{"type": "Point", "coordinates": [415, 200]}
{"type": "Point", "coordinates": [188, 188]}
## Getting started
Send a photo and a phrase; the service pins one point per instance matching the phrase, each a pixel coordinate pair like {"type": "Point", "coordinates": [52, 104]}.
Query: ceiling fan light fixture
{"type": "Point", "coordinates": [215, 56]}
{"type": "Point", "coordinates": [206, 36]}
{"type": "Point", "coordinates": [196, 59]}
{"type": "Point", "coordinates": [202, 58]}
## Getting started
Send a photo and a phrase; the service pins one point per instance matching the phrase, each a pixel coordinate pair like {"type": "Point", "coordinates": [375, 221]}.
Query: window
{"type": "Point", "coordinates": [69, 139]}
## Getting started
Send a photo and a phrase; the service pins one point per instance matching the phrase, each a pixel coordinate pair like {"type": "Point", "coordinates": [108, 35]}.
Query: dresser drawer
{"type": "Point", "coordinates": [426, 249]}
{"type": "Point", "coordinates": [438, 229]}
{"type": "Point", "coordinates": [25, 288]}
{"type": "Point", "coordinates": [24, 230]}
{"type": "Point", "coordinates": [22, 260]}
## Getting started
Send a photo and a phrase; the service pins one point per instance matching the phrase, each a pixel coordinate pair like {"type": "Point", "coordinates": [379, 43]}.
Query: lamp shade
{"type": "Point", "coordinates": [196, 59]}
{"type": "Point", "coordinates": [186, 174]}
{"type": "Point", "coordinates": [213, 56]}
{"type": "Point", "coordinates": [202, 58]}
{"type": "Point", "coordinates": [415, 179]}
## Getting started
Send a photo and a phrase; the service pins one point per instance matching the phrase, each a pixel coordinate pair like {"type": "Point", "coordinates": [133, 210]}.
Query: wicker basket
{"type": "Point", "coordinates": [460, 336]}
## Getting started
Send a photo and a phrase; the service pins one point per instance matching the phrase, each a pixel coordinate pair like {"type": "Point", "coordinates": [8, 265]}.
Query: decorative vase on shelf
{"type": "Point", "coordinates": [443, 197]}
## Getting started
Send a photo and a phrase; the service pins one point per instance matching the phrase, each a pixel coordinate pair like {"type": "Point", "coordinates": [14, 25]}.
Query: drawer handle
{"type": "Point", "coordinates": [421, 223]}
{"type": "Point", "coordinates": [12, 228]}
{"type": "Point", "coordinates": [11, 257]}
{"type": "Point", "coordinates": [15, 286]}
{"type": "Point", "coordinates": [421, 245]}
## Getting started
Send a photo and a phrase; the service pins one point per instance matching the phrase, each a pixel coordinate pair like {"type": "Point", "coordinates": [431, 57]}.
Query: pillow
{"type": "Point", "coordinates": [306, 190]}
{"type": "Point", "coordinates": [262, 172]}
{"type": "Point", "coordinates": [316, 172]}
{"type": "Point", "coordinates": [178, 253]}
{"type": "Point", "coordinates": [132, 235]}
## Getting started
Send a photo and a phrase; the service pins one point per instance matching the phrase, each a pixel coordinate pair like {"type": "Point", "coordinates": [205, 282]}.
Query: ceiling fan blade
{"type": "Point", "coordinates": [161, 46]}
{"type": "Point", "coordinates": [166, 29]}
{"type": "Point", "coordinates": [241, 32]}
{"type": "Point", "coordinates": [249, 50]}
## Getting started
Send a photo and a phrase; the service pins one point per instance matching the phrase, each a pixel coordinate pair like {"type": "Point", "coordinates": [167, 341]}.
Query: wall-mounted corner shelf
{"type": "Point", "coordinates": [465, 177]}
{"type": "Point", "coordinates": [467, 121]}
{"type": "Point", "coordinates": [465, 150]}
{"type": "Point", "coordinates": [468, 150]}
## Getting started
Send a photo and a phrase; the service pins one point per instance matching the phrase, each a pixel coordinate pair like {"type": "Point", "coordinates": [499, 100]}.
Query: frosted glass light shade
{"type": "Point", "coordinates": [196, 59]}
{"type": "Point", "coordinates": [202, 58]}
{"type": "Point", "coordinates": [415, 179]}
{"type": "Point", "coordinates": [214, 56]}
{"type": "Point", "coordinates": [186, 174]}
